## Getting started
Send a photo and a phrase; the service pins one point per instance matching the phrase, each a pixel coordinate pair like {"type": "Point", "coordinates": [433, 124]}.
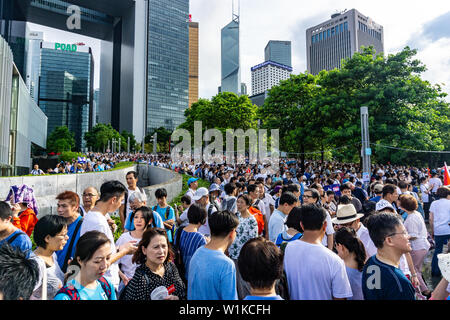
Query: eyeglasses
{"type": "Point", "coordinates": [89, 195]}
{"type": "Point", "coordinates": [404, 233]}
{"type": "Point", "coordinates": [307, 197]}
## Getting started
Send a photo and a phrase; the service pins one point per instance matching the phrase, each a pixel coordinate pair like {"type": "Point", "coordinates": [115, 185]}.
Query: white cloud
{"type": "Point", "coordinates": [264, 20]}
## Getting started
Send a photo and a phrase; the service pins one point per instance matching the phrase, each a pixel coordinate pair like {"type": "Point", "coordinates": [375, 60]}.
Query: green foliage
{"type": "Point", "coordinates": [124, 144]}
{"type": "Point", "coordinates": [225, 111]}
{"type": "Point", "coordinates": [322, 112]}
{"type": "Point", "coordinates": [185, 188]}
{"type": "Point", "coordinates": [163, 140]}
{"type": "Point", "coordinates": [69, 155]}
{"type": "Point", "coordinates": [60, 140]}
{"type": "Point", "coordinates": [97, 138]}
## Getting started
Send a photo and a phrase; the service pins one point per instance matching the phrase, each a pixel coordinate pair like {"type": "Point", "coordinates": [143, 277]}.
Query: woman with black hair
{"type": "Point", "coordinates": [352, 251]}
{"type": "Point", "coordinates": [156, 270]}
{"type": "Point", "coordinates": [85, 273]}
{"type": "Point", "coordinates": [50, 235]}
{"type": "Point", "coordinates": [142, 219]}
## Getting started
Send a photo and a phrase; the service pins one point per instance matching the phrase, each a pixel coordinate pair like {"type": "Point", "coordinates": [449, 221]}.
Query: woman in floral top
{"type": "Point", "coordinates": [247, 228]}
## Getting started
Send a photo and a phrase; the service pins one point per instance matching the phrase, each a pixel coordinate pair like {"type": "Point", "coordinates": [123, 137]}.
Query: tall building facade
{"type": "Point", "coordinates": [168, 63]}
{"type": "Point", "coordinates": [230, 57]}
{"type": "Point", "coordinates": [66, 88]}
{"type": "Point", "coordinates": [268, 74]}
{"type": "Point", "coordinates": [22, 122]}
{"type": "Point", "coordinates": [193, 62]}
{"type": "Point", "coordinates": [279, 52]}
{"type": "Point", "coordinates": [339, 38]}
{"type": "Point", "coordinates": [33, 64]}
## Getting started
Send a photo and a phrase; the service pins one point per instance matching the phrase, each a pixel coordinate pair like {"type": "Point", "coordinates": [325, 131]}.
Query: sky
{"type": "Point", "coordinates": [424, 26]}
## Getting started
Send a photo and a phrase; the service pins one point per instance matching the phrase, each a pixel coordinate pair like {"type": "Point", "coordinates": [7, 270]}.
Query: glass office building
{"type": "Point", "coordinates": [279, 52]}
{"type": "Point", "coordinates": [231, 71]}
{"type": "Point", "coordinates": [66, 88]}
{"type": "Point", "coordinates": [168, 63]}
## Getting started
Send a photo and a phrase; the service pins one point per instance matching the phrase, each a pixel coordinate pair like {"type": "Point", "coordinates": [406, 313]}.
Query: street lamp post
{"type": "Point", "coordinates": [366, 151]}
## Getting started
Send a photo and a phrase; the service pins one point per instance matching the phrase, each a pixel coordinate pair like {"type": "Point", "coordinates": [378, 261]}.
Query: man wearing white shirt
{"type": "Point", "coordinates": [346, 216]}
{"type": "Point", "coordinates": [313, 272]}
{"type": "Point", "coordinates": [125, 209]}
{"type": "Point", "coordinates": [277, 221]}
{"type": "Point", "coordinates": [193, 185]}
{"type": "Point", "coordinates": [112, 195]}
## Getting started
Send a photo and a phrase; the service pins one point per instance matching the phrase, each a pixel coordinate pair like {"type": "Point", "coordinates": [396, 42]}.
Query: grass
{"type": "Point", "coordinates": [120, 165]}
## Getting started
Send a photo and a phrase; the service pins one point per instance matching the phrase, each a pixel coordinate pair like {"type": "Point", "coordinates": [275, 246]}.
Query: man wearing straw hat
{"type": "Point", "coordinates": [347, 216]}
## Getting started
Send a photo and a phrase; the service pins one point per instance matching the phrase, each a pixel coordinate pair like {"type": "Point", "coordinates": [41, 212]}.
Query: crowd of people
{"type": "Point", "coordinates": [92, 162]}
{"type": "Point", "coordinates": [317, 231]}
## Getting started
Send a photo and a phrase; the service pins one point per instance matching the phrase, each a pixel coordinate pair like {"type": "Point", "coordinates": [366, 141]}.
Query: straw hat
{"type": "Point", "coordinates": [444, 265]}
{"type": "Point", "coordinates": [346, 213]}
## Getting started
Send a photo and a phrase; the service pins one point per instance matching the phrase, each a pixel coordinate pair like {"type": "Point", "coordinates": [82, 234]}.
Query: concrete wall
{"type": "Point", "coordinates": [152, 178]}
{"type": "Point", "coordinates": [46, 188]}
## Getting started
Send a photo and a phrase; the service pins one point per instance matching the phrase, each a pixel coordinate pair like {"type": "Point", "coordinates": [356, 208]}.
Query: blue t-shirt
{"type": "Point", "coordinates": [157, 221]}
{"type": "Point", "coordinates": [162, 214]}
{"type": "Point", "coordinates": [276, 297]}
{"type": "Point", "coordinates": [88, 294]}
{"type": "Point", "coordinates": [21, 241]}
{"type": "Point", "coordinates": [61, 254]}
{"type": "Point", "coordinates": [381, 281]}
{"type": "Point", "coordinates": [212, 276]}
{"type": "Point", "coordinates": [189, 243]}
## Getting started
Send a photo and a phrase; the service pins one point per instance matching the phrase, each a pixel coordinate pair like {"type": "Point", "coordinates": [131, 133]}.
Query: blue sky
{"type": "Point", "coordinates": [424, 25]}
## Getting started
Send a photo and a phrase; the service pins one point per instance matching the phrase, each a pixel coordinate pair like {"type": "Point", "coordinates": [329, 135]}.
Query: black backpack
{"type": "Point", "coordinates": [178, 259]}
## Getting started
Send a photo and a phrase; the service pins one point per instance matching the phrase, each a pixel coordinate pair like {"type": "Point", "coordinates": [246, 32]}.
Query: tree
{"type": "Point", "coordinates": [290, 107]}
{"type": "Point", "coordinates": [405, 111]}
{"type": "Point", "coordinates": [60, 140]}
{"type": "Point", "coordinates": [124, 144]}
{"type": "Point", "coordinates": [97, 138]}
{"type": "Point", "coordinates": [225, 111]}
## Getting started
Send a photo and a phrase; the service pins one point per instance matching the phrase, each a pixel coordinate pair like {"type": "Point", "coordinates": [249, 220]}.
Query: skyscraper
{"type": "Point", "coordinates": [168, 63]}
{"type": "Point", "coordinates": [279, 52]}
{"type": "Point", "coordinates": [33, 65]}
{"type": "Point", "coordinates": [340, 37]}
{"type": "Point", "coordinates": [66, 88]}
{"type": "Point", "coordinates": [268, 74]}
{"type": "Point", "coordinates": [193, 62]}
{"type": "Point", "coordinates": [231, 69]}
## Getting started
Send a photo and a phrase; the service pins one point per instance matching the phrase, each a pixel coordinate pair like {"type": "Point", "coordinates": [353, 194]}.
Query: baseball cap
{"type": "Point", "coordinates": [191, 180]}
{"type": "Point", "coordinates": [200, 193]}
{"type": "Point", "coordinates": [378, 188]}
{"type": "Point", "coordinates": [214, 187]}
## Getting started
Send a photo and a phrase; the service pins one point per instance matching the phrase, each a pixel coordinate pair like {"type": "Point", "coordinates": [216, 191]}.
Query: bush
{"type": "Point", "coordinates": [69, 155]}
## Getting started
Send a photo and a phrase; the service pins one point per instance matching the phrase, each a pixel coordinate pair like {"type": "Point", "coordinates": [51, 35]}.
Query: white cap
{"type": "Point", "coordinates": [200, 193]}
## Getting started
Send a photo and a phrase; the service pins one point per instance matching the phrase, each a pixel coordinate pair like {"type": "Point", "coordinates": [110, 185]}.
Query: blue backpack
{"type": "Point", "coordinates": [73, 294]}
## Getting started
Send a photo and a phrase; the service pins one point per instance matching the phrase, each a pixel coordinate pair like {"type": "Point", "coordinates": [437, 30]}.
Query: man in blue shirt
{"type": "Point", "coordinates": [68, 205]}
{"type": "Point", "coordinates": [382, 278]}
{"type": "Point", "coordinates": [212, 275]}
{"type": "Point", "coordinates": [165, 211]}
{"type": "Point", "coordinates": [11, 235]}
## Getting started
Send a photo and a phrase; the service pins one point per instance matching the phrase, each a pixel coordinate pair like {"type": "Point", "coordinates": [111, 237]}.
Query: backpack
{"type": "Point", "coordinates": [178, 259]}
{"type": "Point", "coordinates": [73, 294]}
{"type": "Point", "coordinates": [258, 216]}
{"type": "Point", "coordinates": [166, 215]}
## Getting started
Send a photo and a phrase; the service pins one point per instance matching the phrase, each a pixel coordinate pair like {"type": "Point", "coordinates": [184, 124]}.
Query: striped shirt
{"type": "Point", "coordinates": [189, 243]}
